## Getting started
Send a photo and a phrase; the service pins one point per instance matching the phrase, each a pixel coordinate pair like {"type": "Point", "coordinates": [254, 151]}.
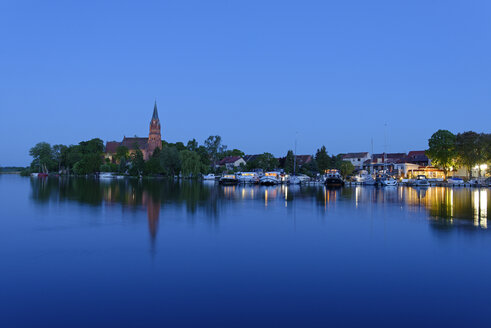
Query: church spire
{"type": "Point", "coordinates": [155, 115]}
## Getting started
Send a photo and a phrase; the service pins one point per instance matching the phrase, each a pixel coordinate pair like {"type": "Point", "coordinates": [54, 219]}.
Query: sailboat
{"type": "Point", "coordinates": [294, 179]}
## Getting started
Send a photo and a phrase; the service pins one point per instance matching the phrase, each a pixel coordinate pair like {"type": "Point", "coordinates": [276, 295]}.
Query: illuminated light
{"type": "Point", "coordinates": [266, 197]}
{"type": "Point", "coordinates": [483, 166]}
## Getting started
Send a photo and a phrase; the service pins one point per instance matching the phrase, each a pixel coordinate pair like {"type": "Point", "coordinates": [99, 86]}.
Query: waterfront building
{"type": "Point", "coordinates": [147, 145]}
{"type": "Point", "coordinates": [418, 157]}
{"type": "Point", "coordinates": [357, 159]}
{"type": "Point", "coordinates": [231, 162]}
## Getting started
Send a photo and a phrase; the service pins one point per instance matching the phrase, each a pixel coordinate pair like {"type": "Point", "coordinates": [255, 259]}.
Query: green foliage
{"type": "Point", "coordinates": [190, 163]}
{"type": "Point", "coordinates": [441, 149]}
{"type": "Point", "coordinates": [467, 150]}
{"type": "Point", "coordinates": [265, 161]}
{"type": "Point", "coordinates": [89, 164]}
{"type": "Point", "coordinates": [137, 164]}
{"type": "Point", "coordinates": [152, 166]}
{"type": "Point", "coordinates": [290, 162]}
{"type": "Point", "coordinates": [233, 152]}
{"type": "Point", "coordinates": [346, 168]}
{"type": "Point", "coordinates": [169, 160]}
{"type": "Point", "coordinates": [43, 157]}
{"type": "Point", "coordinates": [322, 159]}
{"type": "Point", "coordinates": [122, 152]}
{"type": "Point", "coordinates": [109, 167]}
{"type": "Point", "coordinates": [214, 148]}
{"type": "Point", "coordinates": [192, 145]}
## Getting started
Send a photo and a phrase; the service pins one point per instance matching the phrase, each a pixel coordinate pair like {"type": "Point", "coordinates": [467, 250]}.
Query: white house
{"type": "Point", "coordinates": [231, 161]}
{"type": "Point", "coordinates": [357, 159]}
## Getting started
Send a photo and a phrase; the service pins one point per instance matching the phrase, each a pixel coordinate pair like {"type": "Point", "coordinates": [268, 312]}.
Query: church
{"type": "Point", "coordinates": [146, 145]}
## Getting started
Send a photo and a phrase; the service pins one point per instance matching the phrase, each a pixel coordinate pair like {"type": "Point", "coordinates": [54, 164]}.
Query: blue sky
{"type": "Point", "coordinates": [255, 72]}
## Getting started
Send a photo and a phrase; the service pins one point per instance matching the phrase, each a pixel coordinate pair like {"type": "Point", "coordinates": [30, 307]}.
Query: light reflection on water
{"type": "Point", "coordinates": [199, 254]}
{"type": "Point", "coordinates": [441, 204]}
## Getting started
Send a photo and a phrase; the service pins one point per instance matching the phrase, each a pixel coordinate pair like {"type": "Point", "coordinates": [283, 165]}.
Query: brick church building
{"type": "Point", "coordinates": [146, 145]}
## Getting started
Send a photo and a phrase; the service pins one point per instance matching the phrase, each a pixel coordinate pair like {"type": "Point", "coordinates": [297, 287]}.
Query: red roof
{"type": "Point", "coordinates": [131, 143]}
{"type": "Point", "coordinates": [229, 160]}
{"type": "Point", "coordinates": [111, 146]}
{"type": "Point", "coordinates": [355, 155]}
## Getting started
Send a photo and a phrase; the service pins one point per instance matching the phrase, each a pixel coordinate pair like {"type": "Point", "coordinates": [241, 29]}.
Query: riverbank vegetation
{"type": "Point", "coordinates": [468, 150]}
{"type": "Point", "coordinates": [174, 159]}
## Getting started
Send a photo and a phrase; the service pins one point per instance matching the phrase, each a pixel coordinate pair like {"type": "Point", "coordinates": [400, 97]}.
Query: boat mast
{"type": "Point", "coordinates": [295, 156]}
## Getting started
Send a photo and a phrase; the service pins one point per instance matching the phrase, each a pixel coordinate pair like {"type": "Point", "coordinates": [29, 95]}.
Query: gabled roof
{"type": "Point", "coordinates": [249, 158]}
{"type": "Point", "coordinates": [229, 160]}
{"type": "Point", "coordinates": [131, 143]}
{"type": "Point", "coordinates": [112, 146]}
{"type": "Point", "coordinates": [355, 155]}
{"type": "Point", "coordinates": [303, 159]}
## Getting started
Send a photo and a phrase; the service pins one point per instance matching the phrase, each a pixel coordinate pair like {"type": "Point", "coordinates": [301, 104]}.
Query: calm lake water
{"type": "Point", "coordinates": [81, 253]}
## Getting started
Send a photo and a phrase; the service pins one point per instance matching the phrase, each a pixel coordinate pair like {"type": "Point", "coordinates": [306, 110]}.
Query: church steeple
{"type": "Point", "coordinates": [155, 115]}
{"type": "Point", "coordinates": [154, 137]}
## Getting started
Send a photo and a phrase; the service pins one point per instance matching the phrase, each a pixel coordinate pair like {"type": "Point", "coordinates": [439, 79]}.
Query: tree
{"type": "Point", "coordinates": [289, 162]}
{"type": "Point", "coordinates": [93, 146]}
{"type": "Point", "coordinates": [346, 168]}
{"type": "Point", "coordinates": [43, 158]}
{"type": "Point", "coordinates": [322, 159]}
{"type": "Point", "coordinates": [122, 153]}
{"type": "Point", "coordinates": [58, 154]}
{"type": "Point", "coordinates": [190, 163]}
{"type": "Point", "coordinates": [266, 161]}
{"type": "Point", "coordinates": [467, 150]}
{"type": "Point", "coordinates": [214, 147]}
{"type": "Point", "coordinates": [192, 145]}
{"type": "Point", "coordinates": [137, 163]}
{"type": "Point", "coordinates": [169, 160]}
{"type": "Point", "coordinates": [90, 163]}
{"type": "Point", "coordinates": [204, 158]}
{"type": "Point", "coordinates": [152, 166]}
{"type": "Point", "coordinates": [233, 152]}
{"type": "Point", "coordinates": [441, 149]}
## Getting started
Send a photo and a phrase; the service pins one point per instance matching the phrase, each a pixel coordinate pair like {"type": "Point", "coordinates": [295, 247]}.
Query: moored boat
{"type": "Point", "coordinates": [454, 181]}
{"type": "Point", "coordinates": [270, 178]}
{"type": "Point", "coordinates": [210, 176]}
{"type": "Point", "coordinates": [333, 179]}
{"type": "Point", "coordinates": [420, 181]}
{"type": "Point", "coordinates": [364, 178]}
{"type": "Point", "coordinates": [247, 177]}
{"type": "Point", "coordinates": [228, 179]}
{"type": "Point", "coordinates": [106, 175]}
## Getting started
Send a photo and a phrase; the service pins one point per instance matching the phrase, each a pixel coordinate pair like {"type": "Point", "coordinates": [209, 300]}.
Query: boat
{"type": "Point", "coordinates": [420, 181]}
{"type": "Point", "coordinates": [294, 180]}
{"type": "Point", "coordinates": [247, 177]}
{"type": "Point", "coordinates": [270, 178]}
{"type": "Point", "coordinates": [333, 179]}
{"type": "Point", "coordinates": [389, 181]}
{"type": "Point", "coordinates": [363, 177]}
{"type": "Point", "coordinates": [386, 180]}
{"type": "Point", "coordinates": [228, 179]}
{"type": "Point", "coordinates": [210, 176]}
{"type": "Point", "coordinates": [106, 175]}
{"type": "Point", "coordinates": [454, 181]}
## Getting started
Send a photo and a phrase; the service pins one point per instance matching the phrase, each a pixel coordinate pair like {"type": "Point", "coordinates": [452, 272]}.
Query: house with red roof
{"type": "Point", "coordinates": [230, 162]}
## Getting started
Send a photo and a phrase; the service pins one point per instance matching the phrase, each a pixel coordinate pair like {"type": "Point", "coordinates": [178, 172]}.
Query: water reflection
{"type": "Point", "coordinates": [444, 207]}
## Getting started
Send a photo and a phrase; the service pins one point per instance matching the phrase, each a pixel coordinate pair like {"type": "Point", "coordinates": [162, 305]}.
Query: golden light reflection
{"type": "Point", "coordinates": [266, 197]}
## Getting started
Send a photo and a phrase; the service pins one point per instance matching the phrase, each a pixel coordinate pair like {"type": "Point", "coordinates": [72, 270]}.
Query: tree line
{"type": "Point", "coordinates": [187, 160]}
{"type": "Point", "coordinates": [468, 150]}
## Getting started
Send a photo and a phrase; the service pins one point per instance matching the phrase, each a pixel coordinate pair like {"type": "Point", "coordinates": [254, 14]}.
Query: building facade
{"type": "Point", "coordinates": [146, 145]}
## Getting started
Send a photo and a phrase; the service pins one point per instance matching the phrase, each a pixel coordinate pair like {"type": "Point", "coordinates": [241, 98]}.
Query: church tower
{"type": "Point", "coordinates": [154, 137]}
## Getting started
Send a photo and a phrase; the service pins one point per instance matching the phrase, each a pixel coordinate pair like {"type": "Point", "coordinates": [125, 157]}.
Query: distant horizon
{"type": "Point", "coordinates": [257, 74]}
